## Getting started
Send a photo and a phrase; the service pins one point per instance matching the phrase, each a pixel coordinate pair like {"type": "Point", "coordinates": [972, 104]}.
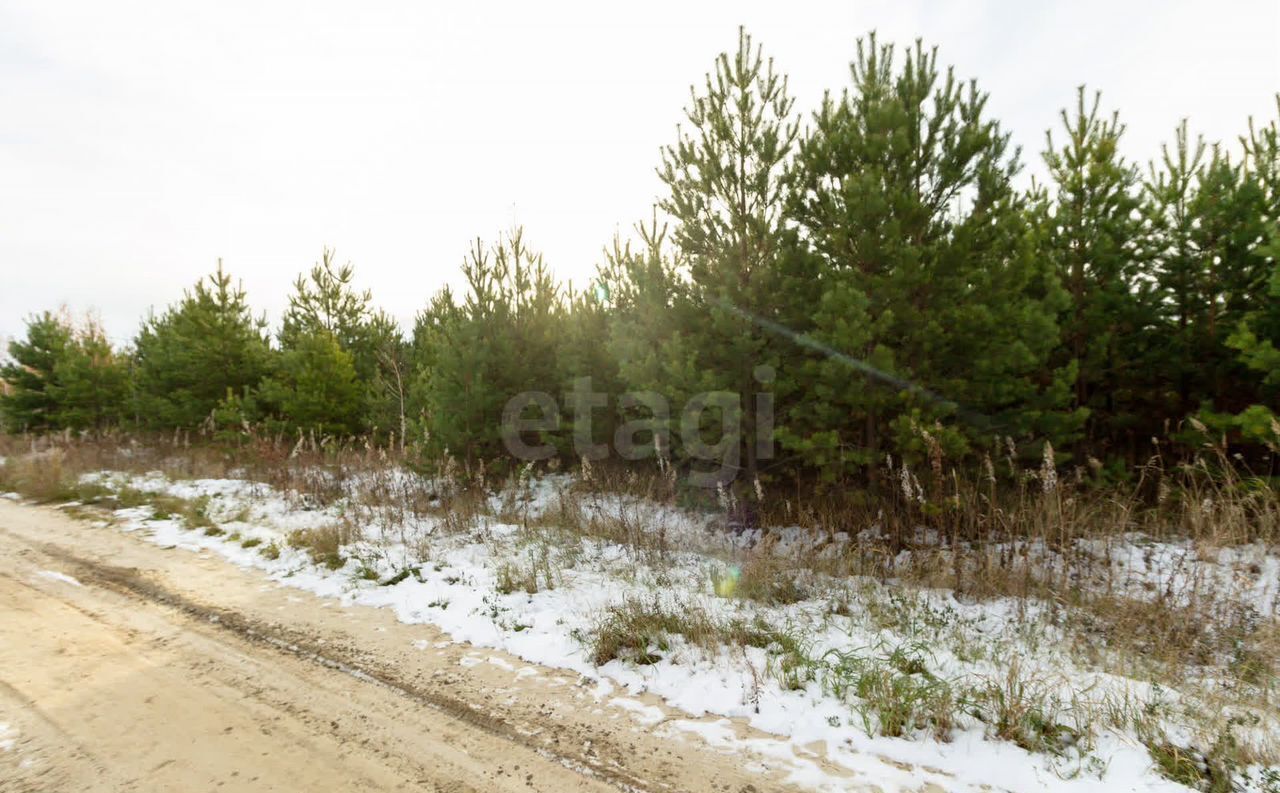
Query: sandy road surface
{"type": "Point", "coordinates": [125, 666]}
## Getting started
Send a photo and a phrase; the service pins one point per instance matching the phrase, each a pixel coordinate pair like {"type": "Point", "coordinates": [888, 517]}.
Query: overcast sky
{"type": "Point", "coordinates": [141, 141]}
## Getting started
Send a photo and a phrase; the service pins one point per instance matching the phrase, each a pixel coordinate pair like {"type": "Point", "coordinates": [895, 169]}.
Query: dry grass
{"type": "Point", "coordinates": [41, 475]}
{"type": "Point", "coordinates": [1025, 712]}
{"type": "Point", "coordinates": [323, 543]}
{"type": "Point", "coordinates": [642, 631]}
{"type": "Point", "coordinates": [771, 579]}
{"type": "Point", "coordinates": [529, 575]}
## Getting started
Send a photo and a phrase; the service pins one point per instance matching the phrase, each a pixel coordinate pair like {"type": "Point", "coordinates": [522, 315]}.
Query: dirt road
{"type": "Point", "coordinates": [125, 666]}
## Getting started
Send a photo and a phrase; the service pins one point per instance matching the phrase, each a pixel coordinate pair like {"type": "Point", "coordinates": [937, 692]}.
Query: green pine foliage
{"type": "Point", "coordinates": [1090, 229]}
{"type": "Point", "coordinates": [63, 377]}
{"type": "Point", "coordinates": [1232, 276]}
{"type": "Point", "coordinates": [91, 383]}
{"type": "Point", "coordinates": [1177, 268]}
{"type": "Point", "coordinates": [648, 307]}
{"type": "Point", "coordinates": [924, 272]}
{"type": "Point", "coordinates": [1257, 341]}
{"type": "Point", "coordinates": [314, 389]}
{"type": "Point", "coordinates": [585, 367]}
{"type": "Point", "coordinates": [1211, 219]}
{"type": "Point", "coordinates": [1256, 295]}
{"type": "Point", "coordinates": [476, 355]}
{"type": "Point", "coordinates": [29, 403]}
{"type": "Point", "coordinates": [325, 302]}
{"type": "Point", "coordinates": [693, 328]}
{"type": "Point", "coordinates": [204, 348]}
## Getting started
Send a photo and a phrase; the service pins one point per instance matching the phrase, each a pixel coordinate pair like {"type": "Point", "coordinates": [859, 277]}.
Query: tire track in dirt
{"type": "Point", "coordinates": [130, 582]}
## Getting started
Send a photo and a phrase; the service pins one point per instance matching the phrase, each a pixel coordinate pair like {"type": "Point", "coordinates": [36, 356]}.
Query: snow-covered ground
{"type": "Point", "coordinates": [459, 581]}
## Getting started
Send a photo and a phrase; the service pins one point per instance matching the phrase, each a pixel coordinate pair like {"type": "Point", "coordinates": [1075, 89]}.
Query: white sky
{"type": "Point", "coordinates": [140, 141]}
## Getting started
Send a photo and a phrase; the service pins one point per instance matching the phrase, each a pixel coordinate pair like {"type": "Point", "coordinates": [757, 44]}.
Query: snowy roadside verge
{"type": "Point", "coordinates": [459, 583]}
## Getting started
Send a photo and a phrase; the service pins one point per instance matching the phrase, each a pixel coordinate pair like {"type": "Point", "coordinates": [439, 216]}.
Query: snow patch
{"type": "Point", "coordinates": [647, 715]}
{"type": "Point", "coordinates": [54, 575]}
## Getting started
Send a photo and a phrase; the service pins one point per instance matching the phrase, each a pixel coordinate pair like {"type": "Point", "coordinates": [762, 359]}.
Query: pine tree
{"type": "Point", "coordinates": [1229, 208]}
{"type": "Point", "coordinates": [1253, 301]}
{"type": "Point", "coordinates": [927, 282]}
{"type": "Point", "coordinates": [475, 356]}
{"type": "Point", "coordinates": [31, 404]}
{"type": "Point", "coordinates": [1257, 341]}
{"type": "Point", "coordinates": [324, 301]}
{"type": "Point", "coordinates": [91, 383]}
{"type": "Point", "coordinates": [314, 388]}
{"type": "Point", "coordinates": [1169, 192]}
{"type": "Point", "coordinates": [436, 328]}
{"type": "Point", "coordinates": [583, 359]}
{"type": "Point", "coordinates": [1256, 337]}
{"type": "Point", "coordinates": [188, 359]}
{"type": "Point", "coordinates": [1207, 218]}
{"type": "Point", "coordinates": [1091, 229]}
{"type": "Point", "coordinates": [649, 309]}
{"type": "Point", "coordinates": [728, 183]}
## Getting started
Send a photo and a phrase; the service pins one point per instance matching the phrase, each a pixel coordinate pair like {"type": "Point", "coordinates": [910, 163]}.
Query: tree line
{"type": "Point", "coordinates": [873, 271]}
